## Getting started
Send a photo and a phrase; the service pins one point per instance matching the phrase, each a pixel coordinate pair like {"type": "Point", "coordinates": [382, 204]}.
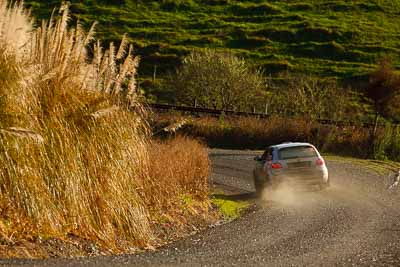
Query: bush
{"type": "Point", "coordinates": [387, 143]}
{"type": "Point", "coordinates": [311, 97]}
{"type": "Point", "coordinates": [384, 90]}
{"type": "Point", "coordinates": [348, 141]}
{"type": "Point", "coordinates": [218, 80]}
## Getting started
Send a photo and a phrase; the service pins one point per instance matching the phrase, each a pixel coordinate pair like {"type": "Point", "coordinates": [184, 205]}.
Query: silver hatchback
{"type": "Point", "coordinates": [298, 165]}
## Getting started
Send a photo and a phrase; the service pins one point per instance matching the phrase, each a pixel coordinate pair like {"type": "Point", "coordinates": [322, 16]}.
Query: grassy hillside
{"type": "Point", "coordinates": [335, 38]}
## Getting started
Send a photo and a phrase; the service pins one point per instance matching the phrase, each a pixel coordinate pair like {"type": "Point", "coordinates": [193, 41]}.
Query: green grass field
{"type": "Point", "coordinates": [334, 38]}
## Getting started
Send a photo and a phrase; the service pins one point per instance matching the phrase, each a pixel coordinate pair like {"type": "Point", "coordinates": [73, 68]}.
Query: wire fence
{"type": "Point", "coordinates": [219, 112]}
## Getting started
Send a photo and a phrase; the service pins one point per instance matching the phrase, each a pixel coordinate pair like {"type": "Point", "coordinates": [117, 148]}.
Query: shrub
{"type": "Point", "coordinates": [349, 141]}
{"type": "Point", "coordinates": [218, 80]}
{"type": "Point", "coordinates": [311, 97]}
{"type": "Point", "coordinates": [384, 90]}
{"type": "Point", "coordinates": [387, 143]}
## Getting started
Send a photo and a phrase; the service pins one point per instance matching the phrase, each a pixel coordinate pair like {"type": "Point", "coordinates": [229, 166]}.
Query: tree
{"type": "Point", "coordinates": [310, 96]}
{"type": "Point", "coordinates": [218, 80]}
{"type": "Point", "coordinates": [384, 90]}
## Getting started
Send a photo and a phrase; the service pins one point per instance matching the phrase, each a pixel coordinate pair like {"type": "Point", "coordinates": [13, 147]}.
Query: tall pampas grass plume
{"type": "Point", "coordinates": [73, 157]}
{"type": "Point", "coordinates": [75, 148]}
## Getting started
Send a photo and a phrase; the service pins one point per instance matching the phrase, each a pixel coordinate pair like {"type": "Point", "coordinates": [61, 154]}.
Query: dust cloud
{"type": "Point", "coordinates": [287, 196]}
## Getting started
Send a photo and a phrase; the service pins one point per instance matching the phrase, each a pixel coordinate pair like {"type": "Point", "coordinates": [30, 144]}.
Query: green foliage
{"type": "Point", "coordinates": [311, 97]}
{"type": "Point", "coordinates": [241, 9]}
{"type": "Point", "coordinates": [387, 144]}
{"type": "Point", "coordinates": [230, 209]}
{"type": "Point", "coordinates": [334, 38]}
{"type": "Point", "coordinates": [217, 80]}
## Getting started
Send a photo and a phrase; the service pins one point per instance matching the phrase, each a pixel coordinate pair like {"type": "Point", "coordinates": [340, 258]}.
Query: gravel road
{"type": "Point", "coordinates": [355, 222]}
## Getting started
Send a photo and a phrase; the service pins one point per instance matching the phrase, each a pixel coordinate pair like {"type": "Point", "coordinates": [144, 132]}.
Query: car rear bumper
{"type": "Point", "coordinates": [301, 178]}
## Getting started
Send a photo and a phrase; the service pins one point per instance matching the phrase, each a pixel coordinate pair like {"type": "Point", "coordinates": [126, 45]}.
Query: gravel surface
{"type": "Point", "coordinates": [355, 222]}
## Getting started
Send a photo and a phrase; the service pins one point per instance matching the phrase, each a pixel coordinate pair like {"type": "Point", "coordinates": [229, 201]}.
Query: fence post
{"type": "Point", "coordinates": [266, 108]}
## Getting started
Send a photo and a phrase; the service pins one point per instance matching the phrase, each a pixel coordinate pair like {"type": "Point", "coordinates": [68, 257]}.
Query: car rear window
{"type": "Point", "coordinates": [296, 152]}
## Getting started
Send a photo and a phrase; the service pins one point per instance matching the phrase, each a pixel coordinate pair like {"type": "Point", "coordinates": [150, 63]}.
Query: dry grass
{"type": "Point", "coordinates": [350, 141]}
{"type": "Point", "coordinates": [83, 177]}
{"type": "Point", "coordinates": [179, 166]}
{"type": "Point", "coordinates": [178, 195]}
{"type": "Point", "coordinates": [254, 133]}
{"type": "Point", "coordinates": [74, 159]}
{"type": "Point", "coordinates": [247, 133]}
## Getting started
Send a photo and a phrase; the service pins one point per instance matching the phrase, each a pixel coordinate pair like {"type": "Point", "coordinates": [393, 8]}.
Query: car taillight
{"type": "Point", "coordinates": [276, 166]}
{"type": "Point", "coordinates": [320, 162]}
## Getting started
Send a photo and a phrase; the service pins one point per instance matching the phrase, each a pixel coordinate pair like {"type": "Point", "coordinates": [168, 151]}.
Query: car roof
{"type": "Point", "coordinates": [290, 144]}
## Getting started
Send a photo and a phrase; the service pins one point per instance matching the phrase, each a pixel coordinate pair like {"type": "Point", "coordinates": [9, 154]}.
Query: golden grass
{"type": "Point", "coordinates": [258, 133]}
{"type": "Point", "coordinates": [178, 193]}
{"type": "Point", "coordinates": [246, 132]}
{"type": "Point", "coordinates": [82, 177]}
{"type": "Point", "coordinates": [76, 156]}
{"type": "Point", "coordinates": [178, 166]}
